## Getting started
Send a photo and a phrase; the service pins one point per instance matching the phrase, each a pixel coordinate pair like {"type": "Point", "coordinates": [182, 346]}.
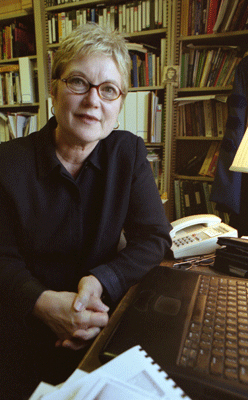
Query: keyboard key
{"type": "Point", "coordinates": [216, 366]}
{"type": "Point", "coordinates": [231, 373]}
{"type": "Point", "coordinates": [243, 374]}
{"type": "Point", "coordinates": [231, 363]}
{"type": "Point", "coordinates": [243, 335]}
{"type": "Point", "coordinates": [243, 361]}
{"type": "Point", "coordinates": [203, 359]}
{"type": "Point", "coordinates": [231, 353]}
{"type": "Point", "coordinates": [218, 351]}
{"type": "Point", "coordinates": [243, 351]}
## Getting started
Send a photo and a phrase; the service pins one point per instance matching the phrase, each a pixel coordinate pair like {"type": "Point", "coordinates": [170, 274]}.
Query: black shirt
{"type": "Point", "coordinates": [55, 229]}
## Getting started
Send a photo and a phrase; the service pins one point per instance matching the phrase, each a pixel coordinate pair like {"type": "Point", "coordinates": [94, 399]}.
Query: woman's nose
{"type": "Point", "coordinates": [92, 96]}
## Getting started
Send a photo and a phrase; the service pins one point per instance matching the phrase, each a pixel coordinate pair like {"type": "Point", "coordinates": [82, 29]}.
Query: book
{"type": "Point", "coordinates": [131, 375]}
{"type": "Point", "coordinates": [206, 68]}
{"type": "Point", "coordinates": [233, 6]}
{"type": "Point", "coordinates": [4, 136]}
{"type": "Point", "coordinates": [210, 154]}
{"type": "Point", "coordinates": [207, 192]}
{"type": "Point", "coordinates": [177, 199]}
{"type": "Point", "coordinates": [213, 165]}
{"type": "Point", "coordinates": [243, 22]}
{"type": "Point", "coordinates": [208, 118]}
{"type": "Point", "coordinates": [220, 15]}
{"type": "Point", "coordinates": [201, 63]}
{"type": "Point", "coordinates": [9, 67]}
{"type": "Point", "coordinates": [130, 112]}
{"type": "Point", "coordinates": [27, 80]}
{"type": "Point", "coordinates": [183, 214]}
{"type": "Point", "coordinates": [200, 201]}
{"type": "Point", "coordinates": [142, 101]}
{"type": "Point", "coordinates": [188, 198]}
{"type": "Point", "coordinates": [184, 18]}
{"type": "Point", "coordinates": [239, 11]}
{"type": "Point", "coordinates": [221, 117]}
{"type": "Point", "coordinates": [212, 15]}
{"type": "Point", "coordinates": [135, 73]}
{"type": "Point", "coordinates": [240, 162]}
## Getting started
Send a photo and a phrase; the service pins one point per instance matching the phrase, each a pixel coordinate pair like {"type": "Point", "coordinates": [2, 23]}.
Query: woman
{"type": "Point", "coordinates": [67, 192]}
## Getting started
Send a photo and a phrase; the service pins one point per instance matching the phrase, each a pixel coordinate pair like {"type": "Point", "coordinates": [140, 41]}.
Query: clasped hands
{"type": "Point", "coordinates": [74, 317]}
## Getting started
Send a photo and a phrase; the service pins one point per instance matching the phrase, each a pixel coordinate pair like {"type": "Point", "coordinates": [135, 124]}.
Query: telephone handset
{"type": "Point", "coordinates": [198, 234]}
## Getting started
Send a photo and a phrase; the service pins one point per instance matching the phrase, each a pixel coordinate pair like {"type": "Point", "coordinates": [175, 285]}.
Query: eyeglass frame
{"type": "Point", "coordinates": [90, 86]}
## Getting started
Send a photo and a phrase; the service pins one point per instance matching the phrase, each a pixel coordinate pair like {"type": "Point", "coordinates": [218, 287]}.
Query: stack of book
{"type": "Point", "coordinates": [146, 70]}
{"type": "Point", "coordinates": [208, 66]}
{"type": "Point", "coordinates": [14, 125]}
{"type": "Point", "coordinates": [192, 198]}
{"type": "Point", "coordinates": [128, 17]}
{"type": "Point", "coordinates": [17, 83]}
{"type": "Point", "coordinates": [212, 16]}
{"type": "Point", "coordinates": [211, 111]}
{"type": "Point", "coordinates": [141, 114]}
{"type": "Point", "coordinates": [202, 164]}
{"type": "Point", "coordinates": [16, 40]}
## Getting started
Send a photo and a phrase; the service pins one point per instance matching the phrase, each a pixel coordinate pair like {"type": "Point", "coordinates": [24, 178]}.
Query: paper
{"type": "Point", "coordinates": [131, 375]}
{"type": "Point", "coordinates": [240, 162]}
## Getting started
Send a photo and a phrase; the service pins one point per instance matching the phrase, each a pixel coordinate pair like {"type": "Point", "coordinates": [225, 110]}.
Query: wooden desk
{"type": "Point", "coordinates": [91, 361]}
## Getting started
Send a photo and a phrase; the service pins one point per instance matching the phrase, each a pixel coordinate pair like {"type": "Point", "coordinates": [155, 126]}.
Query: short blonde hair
{"type": "Point", "coordinates": [92, 39]}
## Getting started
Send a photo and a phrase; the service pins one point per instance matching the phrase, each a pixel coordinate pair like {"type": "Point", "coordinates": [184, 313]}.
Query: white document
{"type": "Point", "coordinates": [131, 375]}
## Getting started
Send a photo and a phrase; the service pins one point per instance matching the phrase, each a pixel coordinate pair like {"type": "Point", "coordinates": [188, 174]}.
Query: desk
{"type": "Point", "coordinates": [91, 361]}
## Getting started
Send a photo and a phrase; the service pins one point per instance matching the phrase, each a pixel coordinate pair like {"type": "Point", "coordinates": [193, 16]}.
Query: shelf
{"type": "Point", "coordinates": [140, 88]}
{"type": "Point", "coordinates": [15, 14]}
{"type": "Point", "coordinates": [19, 105]}
{"type": "Point", "coordinates": [128, 35]}
{"type": "Point", "coordinates": [147, 32]}
{"type": "Point", "coordinates": [154, 144]}
{"type": "Point", "coordinates": [205, 89]}
{"type": "Point", "coordinates": [197, 138]}
{"type": "Point", "coordinates": [73, 4]}
{"type": "Point", "coordinates": [194, 178]}
{"type": "Point", "coordinates": [214, 36]}
{"type": "Point", "coordinates": [16, 59]}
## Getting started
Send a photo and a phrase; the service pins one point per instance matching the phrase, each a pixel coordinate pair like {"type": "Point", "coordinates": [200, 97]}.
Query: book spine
{"type": "Point", "coordinates": [212, 15]}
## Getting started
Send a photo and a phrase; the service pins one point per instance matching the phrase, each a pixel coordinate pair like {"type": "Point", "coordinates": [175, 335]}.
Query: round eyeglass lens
{"type": "Point", "coordinates": [109, 91]}
{"type": "Point", "coordinates": [77, 84]}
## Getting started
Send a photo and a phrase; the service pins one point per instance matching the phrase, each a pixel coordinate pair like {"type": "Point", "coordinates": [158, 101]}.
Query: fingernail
{"type": "Point", "coordinates": [78, 305]}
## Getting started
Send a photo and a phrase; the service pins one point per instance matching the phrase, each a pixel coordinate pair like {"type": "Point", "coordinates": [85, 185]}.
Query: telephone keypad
{"type": "Point", "coordinates": [186, 240]}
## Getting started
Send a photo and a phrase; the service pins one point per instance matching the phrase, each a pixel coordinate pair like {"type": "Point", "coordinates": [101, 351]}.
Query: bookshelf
{"type": "Point", "coordinates": [189, 150]}
{"type": "Point", "coordinates": [20, 48]}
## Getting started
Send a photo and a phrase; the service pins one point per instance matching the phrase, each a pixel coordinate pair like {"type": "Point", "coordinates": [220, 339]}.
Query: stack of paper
{"type": "Point", "coordinates": [132, 375]}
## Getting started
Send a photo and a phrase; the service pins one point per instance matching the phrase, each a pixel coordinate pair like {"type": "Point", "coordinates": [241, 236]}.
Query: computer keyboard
{"type": "Point", "coordinates": [216, 342]}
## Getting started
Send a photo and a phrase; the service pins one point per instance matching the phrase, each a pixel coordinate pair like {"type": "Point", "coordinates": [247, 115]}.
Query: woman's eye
{"type": "Point", "coordinates": [109, 89]}
{"type": "Point", "coordinates": [77, 82]}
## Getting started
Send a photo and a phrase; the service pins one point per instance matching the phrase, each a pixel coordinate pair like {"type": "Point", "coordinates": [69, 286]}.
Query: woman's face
{"type": "Point", "coordinates": [86, 118]}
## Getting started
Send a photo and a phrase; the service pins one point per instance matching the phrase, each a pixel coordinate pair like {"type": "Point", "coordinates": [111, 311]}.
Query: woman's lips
{"type": "Point", "coordinates": [87, 118]}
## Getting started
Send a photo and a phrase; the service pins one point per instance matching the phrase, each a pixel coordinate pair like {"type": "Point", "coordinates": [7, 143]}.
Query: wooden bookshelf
{"type": "Point", "coordinates": [188, 147]}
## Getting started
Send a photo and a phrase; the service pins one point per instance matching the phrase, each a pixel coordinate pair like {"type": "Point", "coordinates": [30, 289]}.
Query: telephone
{"type": "Point", "coordinates": [198, 234]}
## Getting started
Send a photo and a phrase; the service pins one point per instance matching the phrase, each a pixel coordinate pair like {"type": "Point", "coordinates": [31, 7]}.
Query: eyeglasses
{"type": "Point", "coordinates": [197, 261]}
{"type": "Point", "coordinates": [79, 85]}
